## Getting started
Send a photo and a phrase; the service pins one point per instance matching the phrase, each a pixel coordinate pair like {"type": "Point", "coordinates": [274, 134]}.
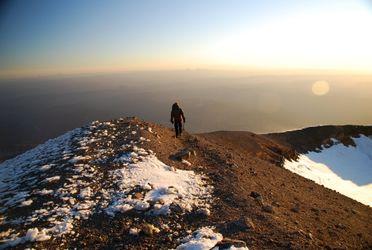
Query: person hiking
{"type": "Point", "coordinates": [177, 117]}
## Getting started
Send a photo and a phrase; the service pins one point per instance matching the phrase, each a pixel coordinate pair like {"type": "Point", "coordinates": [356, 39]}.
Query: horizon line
{"type": "Point", "coordinates": [241, 70]}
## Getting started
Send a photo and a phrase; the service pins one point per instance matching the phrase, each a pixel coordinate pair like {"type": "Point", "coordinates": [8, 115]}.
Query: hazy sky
{"type": "Point", "coordinates": [48, 37]}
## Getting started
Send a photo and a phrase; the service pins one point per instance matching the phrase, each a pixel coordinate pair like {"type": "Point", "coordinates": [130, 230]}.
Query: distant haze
{"type": "Point", "coordinates": [63, 37]}
{"type": "Point", "coordinates": [33, 110]}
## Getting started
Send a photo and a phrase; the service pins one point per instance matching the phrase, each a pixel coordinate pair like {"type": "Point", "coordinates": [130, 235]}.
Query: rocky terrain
{"type": "Point", "coordinates": [129, 184]}
{"type": "Point", "coordinates": [311, 138]}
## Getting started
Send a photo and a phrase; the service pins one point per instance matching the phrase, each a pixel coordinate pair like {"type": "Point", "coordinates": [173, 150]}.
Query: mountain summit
{"type": "Point", "coordinates": [130, 184]}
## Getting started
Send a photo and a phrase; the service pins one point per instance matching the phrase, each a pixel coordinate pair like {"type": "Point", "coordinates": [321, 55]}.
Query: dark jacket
{"type": "Point", "coordinates": [177, 115]}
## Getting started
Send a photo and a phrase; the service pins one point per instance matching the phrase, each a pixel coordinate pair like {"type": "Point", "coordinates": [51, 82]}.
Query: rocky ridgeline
{"type": "Point", "coordinates": [101, 169]}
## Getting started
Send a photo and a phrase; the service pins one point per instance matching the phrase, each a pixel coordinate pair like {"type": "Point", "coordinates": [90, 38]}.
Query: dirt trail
{"type": "Point", "coordinates": [290, 211]}
{"type": "Point", "coordinates": [256, 200]}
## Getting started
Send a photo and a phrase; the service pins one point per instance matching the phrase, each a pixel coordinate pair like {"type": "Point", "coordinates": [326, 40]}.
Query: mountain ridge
{"type": "Point", "coordinates": [311, 138]}
{"type": "Point", "coordinates": [254, 200]}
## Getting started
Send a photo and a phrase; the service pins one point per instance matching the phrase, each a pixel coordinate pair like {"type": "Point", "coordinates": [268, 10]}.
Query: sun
{"type": "Point", "coordinates": [320, 88]}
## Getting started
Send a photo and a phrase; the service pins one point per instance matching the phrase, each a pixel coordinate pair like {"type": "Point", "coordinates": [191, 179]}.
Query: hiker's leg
{"type": "Point", "coordinates": [176, 128]}
{"type": "Point", "coordinates": [180, 128]}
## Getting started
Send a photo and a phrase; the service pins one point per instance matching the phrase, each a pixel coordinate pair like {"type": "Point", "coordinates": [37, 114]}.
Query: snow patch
{"type": "Point", "coordinates": [348, 162]}
{"type": "Point", "coordinates": [165, 186]}
{"type": "Point", "coordinates": [32, 234]}
{"type": "Point", "coordinates": [46, 167]}
{"type": "Point", "coordinates": [134, 231]}
{"type": "Point", "coordinates": [85, 193]}
{"type": "Point", "coordinates": [110, 179]}
{"type": "Point", "coordinates": [26, 203]}
{"type": "Point", "coordinates": [340, 168]}
{"type": "Point", "coordinates": [202, 239]}
{"type": "Point", "coordinates": [52, 179]}
{"type": "Point", "coordinates": [79, 158]}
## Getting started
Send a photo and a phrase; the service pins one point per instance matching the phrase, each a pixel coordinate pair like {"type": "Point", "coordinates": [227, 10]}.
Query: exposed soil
{"type": "Point", "coordinates": [256, 200]}
{"type": "Point", "coordinates": [309, 139]}
{"type": "Point", "coordinates": [305, 215]}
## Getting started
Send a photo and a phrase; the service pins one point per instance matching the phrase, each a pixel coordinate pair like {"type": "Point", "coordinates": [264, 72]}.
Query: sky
{"type": "Point", "coordinates": [40, 37]}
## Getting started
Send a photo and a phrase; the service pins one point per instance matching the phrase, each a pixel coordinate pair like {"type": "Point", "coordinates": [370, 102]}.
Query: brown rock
{"type": "Point", "coordinates": [243, 224]}
{"type": "Point", "coordinates": [227, 243]}
{"type": "Point", "coordinates": [138, 196]}
{"type": "Point", "coordinates": [255, 194]}
{"type": "Point", "coordinates": [268, 209]}
{"type": "Point", "coordinates": [150, 229]}
{"type": "Point", "coordinates": [340, 226]}
{"type": "Point", "coordinates": [296, 208]}
{"type": "Point", "coordinates": [183, 154]}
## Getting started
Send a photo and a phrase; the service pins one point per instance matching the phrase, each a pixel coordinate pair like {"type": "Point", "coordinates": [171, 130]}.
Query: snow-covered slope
{"type": "Point", "coordinates": [123, 184]}
{"type": "Point", "coordinates": [346, 169]}
{"type": "Point", "coordinates": [47, 192]}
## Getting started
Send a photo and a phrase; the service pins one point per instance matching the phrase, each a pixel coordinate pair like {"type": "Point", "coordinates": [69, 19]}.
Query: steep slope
{"type": "Point", "coordinates": [312, 138]}
{"type": "Point", "coordinates": [94, 175]}
{"type": "Point", "coordinates": [130, 184]}
{"type": "Point", "coordinates": [255, 145]}
{"type": "Point", "coordinates": [338, 157]}
{"type": "Point", "coordinates": [321, 212]}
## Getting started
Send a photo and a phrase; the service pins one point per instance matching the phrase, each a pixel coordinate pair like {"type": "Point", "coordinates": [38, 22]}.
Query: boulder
{"type": "Point", "coordinates": [255, 194]}
{"type": "Point", "coordinates": [149, 229]}
{"type": "Point", "coordinates": [242, 224]}
{"type": "Point", "coordinates": [268, 209]}
{"type": "Point", "coordinates": [296, 208]}
{"type": "Point", "coordinates": [184, 154]}
{"type": "Point", "coordinates": [228, 243]}
{"type": "Point", "coordinates": [138, 196]}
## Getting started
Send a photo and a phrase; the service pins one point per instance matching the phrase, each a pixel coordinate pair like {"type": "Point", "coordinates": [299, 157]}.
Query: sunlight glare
{"type": "Point", "coordinates": [320, 88]}
{"type": "Point", "coordinates": [307, 40]}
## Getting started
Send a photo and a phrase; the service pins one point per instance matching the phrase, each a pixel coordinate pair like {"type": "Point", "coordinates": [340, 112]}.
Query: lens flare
{"type": "Point", "coordinates": [320, 88]}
